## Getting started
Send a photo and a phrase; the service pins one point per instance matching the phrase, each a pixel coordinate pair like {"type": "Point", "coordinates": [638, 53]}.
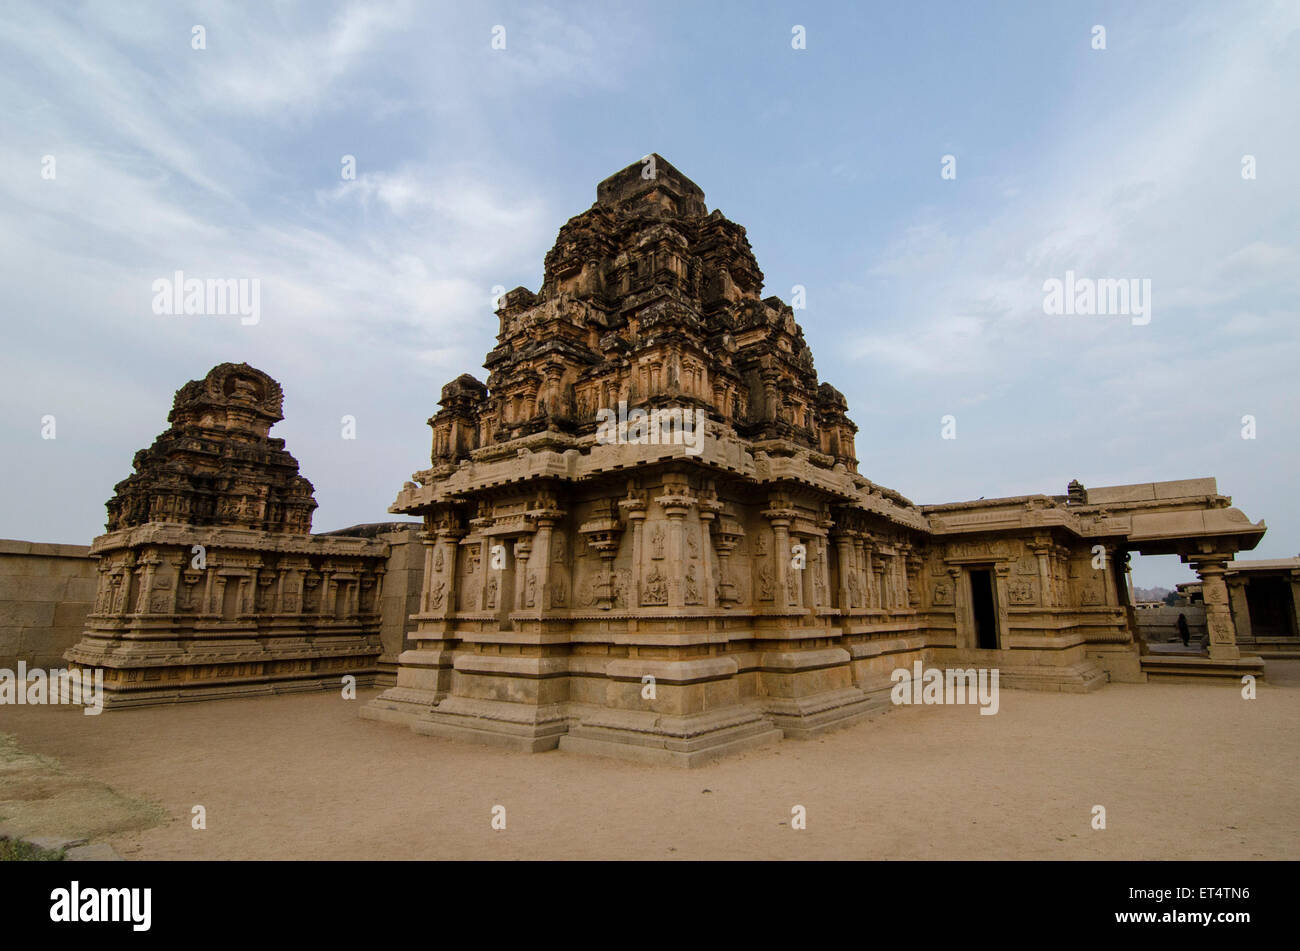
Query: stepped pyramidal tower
{"type": "Point", "coordinates": [210, 583]}
{"type": "Point", "coordinates": [646, 535]}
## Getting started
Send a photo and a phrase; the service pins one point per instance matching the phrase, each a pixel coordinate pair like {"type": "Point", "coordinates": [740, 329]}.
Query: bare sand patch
{"type": "Point", "coordinates": [1184, 771]}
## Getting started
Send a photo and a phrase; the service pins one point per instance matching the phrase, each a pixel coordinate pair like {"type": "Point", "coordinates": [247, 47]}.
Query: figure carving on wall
{"type": "Point", "coordinates": [766, 585]}
{"type": "Point", "coordinates": [437, 560]}
{"type": "Point", "coordinates": [438, 594]}
{"type": "Point", "coordinates": [793, 586]}
{"type": "Point", "coordinates": [492, 594]}
{"type": "Point", "coordinates": [531, 597]}
{"type": "Point", "coordinates": [692, 586]}
{"type": "Point", "coordinates": [656, 588]}
{"type": "Point", "coordinates": [620, 584]}
{"type": "Point", "coordinates": [657, 542]}
{"type": "Point", "coordinates": [1022, 592]}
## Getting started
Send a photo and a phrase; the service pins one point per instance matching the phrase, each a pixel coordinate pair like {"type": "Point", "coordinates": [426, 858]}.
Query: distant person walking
{"type": "Point", "coordinates": [1183, 631]}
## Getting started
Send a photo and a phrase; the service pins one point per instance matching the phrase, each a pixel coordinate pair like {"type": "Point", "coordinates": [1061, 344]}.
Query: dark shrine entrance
{"type": "Point", "coordinates": [983, 610]}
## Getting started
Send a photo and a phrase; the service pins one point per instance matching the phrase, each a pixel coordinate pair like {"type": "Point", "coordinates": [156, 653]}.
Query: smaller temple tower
{"type": "Point", "coordinates": [210, 583]}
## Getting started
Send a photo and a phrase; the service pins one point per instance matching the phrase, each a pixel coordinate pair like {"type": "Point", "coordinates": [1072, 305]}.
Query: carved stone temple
{"type": "Point", "coordinates": [210, 581]}
{"type": "Point", "coordinates": [664, 599]}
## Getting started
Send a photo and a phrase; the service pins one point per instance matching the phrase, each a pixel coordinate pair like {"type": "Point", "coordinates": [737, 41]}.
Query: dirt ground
{"type": "Point", "coordinates": [1183, 771]}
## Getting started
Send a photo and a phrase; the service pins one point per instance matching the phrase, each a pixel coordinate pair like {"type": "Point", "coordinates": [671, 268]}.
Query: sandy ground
{"type": "Point", "coordinates": [1191, 772]}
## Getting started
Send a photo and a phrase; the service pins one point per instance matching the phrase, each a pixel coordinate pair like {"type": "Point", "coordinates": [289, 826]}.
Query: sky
{"type": "Point", "coordinates": [133, 145]}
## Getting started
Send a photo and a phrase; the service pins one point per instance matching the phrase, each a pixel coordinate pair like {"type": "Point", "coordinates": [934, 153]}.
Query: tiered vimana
{"type": "Point", "coordinates": [646, 535]}
{"type": "Point", "coordinates": [210, 583]}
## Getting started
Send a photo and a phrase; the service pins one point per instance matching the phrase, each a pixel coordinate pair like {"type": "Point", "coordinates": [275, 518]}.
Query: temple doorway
{"type": "Point", "coordinates": [984, 609]}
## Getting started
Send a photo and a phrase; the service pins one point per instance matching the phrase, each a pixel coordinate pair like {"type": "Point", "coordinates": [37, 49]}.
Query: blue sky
{"type": "Point", "coordinates": [924, 294]}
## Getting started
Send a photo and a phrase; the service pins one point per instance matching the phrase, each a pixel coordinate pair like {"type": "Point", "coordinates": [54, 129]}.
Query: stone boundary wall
{"type": "Point", "coordinates": [1160, 625]}
{"type": "Point", "coordinates": [45, 592]}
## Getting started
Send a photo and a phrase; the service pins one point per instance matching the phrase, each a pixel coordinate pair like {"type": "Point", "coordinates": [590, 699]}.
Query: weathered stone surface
{"type": "Point", "coordinates": [216, 464]}
{"type": "Point", "coordinates": [617, 589]}
{"type": "Point", "coordinates": [626, 591]}
{"type": "Point", "coordinates": [209, 583]}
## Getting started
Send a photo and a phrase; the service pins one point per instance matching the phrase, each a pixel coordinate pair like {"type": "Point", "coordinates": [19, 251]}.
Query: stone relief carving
{"type": "Point", "coordinates": [656, 588]}
{"type": "Point", "coordinates": [1021, 592]}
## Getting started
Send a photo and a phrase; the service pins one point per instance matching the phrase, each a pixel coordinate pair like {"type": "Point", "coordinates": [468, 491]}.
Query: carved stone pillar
{"type": "Point", "coordinates": [676, 502]}
{"type": "Point", "coordinates": [960, 615]}
{"type": "Point", "coordinates": [1239, 605]}
{"type": "Point", "coordinates": [886, 562]}
{"type": "Point", "coordinates": [634, 507]}
{"type": "Point", "coordinates": [150, 563]}
{"type": "Point", "coordinates": [726, 538]}
{"type": "Point", "coordinates": [326, 606]}
{"type": "Point", "coordinates": [1042, 549]}
{"type": "Point", "coordinates": [708, 509]}
{"type": "Point", "coordinates": [1110, 570]}
{"type": "Point", "coordinates": [1002, 573]}
{"type": "Point", "coordinates": [209, 589]}
{"type": "Point", "coordinates": [865, 546]}
{"type": "Point", "coordinates": [780, 519]}
{"type": "Point", "coordinates": [821, 581]}
{"type": "Point", "coordinates": [541, 558]}
{"type": "Point", "coordinates": [844, 551]}
{"type": "Point", "coordinates": [1218, 616]}
{"type": "Point", "coordinates": [218, 607]}
{"type": "Point", "coordinates": [176, 572]}
{"type": "Point", "coordinates": [912, 567]}
{"type": "Point", "coordinates": [429, 540]}
{"type": "Point", "coordinates": [522, 551]}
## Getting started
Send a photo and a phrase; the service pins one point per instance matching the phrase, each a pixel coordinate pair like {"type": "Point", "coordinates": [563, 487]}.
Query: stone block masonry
{"type": "Point", "coordinates": [209, 583]}
{"type": "Point", "coordinates": [673, 603]}
{"type": "Point", "coordinates": [45, 593]}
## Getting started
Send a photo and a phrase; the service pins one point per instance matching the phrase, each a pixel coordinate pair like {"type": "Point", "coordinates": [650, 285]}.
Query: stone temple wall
{"type": "Point", "coordinates": [599, 581]}
{"type": "Point", "coordinates": [45, 593]}
{"type": "Point", "coordinates": [209, 581]}
{"type": "Point", "coordinates": [403, 580]}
